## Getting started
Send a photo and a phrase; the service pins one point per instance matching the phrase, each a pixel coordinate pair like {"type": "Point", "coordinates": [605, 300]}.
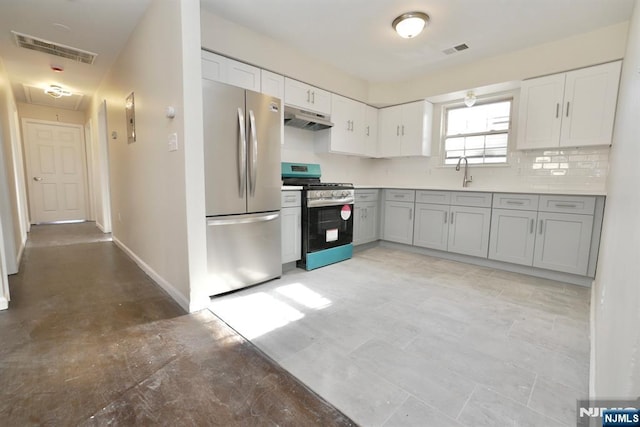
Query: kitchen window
{"type": "Point", "coordinates": [480, 133]}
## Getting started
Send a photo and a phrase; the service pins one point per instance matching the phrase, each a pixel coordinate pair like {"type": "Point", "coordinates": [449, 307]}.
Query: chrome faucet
{"type": "Point", "coordinates": [466, 179]}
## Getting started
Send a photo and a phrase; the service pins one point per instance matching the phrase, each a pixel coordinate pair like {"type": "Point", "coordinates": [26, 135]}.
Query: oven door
{"type": "Point", "coordinates": [328, 226]}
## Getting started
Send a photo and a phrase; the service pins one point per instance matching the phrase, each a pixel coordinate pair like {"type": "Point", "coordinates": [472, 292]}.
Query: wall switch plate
{"type": "Point", "coordinates": [173, 142]}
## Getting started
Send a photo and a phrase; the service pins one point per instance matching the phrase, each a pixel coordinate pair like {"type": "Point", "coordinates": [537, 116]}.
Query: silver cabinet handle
{"type": "Point", "coordinates": [531, 227]}
{"type": "Point", "coordinates": [568, 103]}
{"type": "Point", "coordinates": [557, 110]}
{"type": "Point", "coordinates": [367, 131]}
{"type": "Point", "coordinates": [445, 217]}
{"type": "Point", "coordinates": [513, 202]}
{"type": "Point", "coordinates": [451, 217]}
{"type": "Point", "coordinates": [242, 154]}
{"type": "Point", "coordinates": [565, 205]}
{"type": "Point", "coordinates": [398, 130]}
{"type": "Point", "coordinates": [402, 130]}
{"type": "Point", "coordinates": [540, 230]}
{"type": "Point", "coordinates": [254, 152]}
{"type": "Point", "coordinates": [410, 213]}
{"type": "Point", "coordinates": [37, 178]}
{"type": "Point", "coordinates": [308, 95]}
{"type": "Point", "coordinates": [363, 196]}
{"type": "Point", "coordinates": [313, 97]}
{"type": "Point", "coordinates": [398, 196]}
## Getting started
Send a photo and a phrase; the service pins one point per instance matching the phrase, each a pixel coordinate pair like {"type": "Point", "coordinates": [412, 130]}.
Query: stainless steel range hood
{"type": "Point", "coordinates": [303, 119]}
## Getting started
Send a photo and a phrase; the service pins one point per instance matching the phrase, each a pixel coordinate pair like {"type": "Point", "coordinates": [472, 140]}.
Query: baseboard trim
{"type": "Point", "coordinates": [159, 280]}
{"type": "Point", "coordinates": [485, 262]}
{"type": "Point", "coordinates": [100, 227]}
{"type": "Point", "coordinates": [592, 341]}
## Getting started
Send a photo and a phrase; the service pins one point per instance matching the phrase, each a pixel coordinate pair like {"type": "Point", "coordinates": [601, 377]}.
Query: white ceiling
{"type": "Point", "coordinates": [353, 35]}
{"type": "Point", "coordinates": [356, 35]}
{"type": "Point", "coordinates": [99, 26]}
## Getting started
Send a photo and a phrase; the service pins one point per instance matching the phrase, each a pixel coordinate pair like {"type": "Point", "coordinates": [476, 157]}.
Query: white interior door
{"type": "Point", "coordinates": [55, 172]}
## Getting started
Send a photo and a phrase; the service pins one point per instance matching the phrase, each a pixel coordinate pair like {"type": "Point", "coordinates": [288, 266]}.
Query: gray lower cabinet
{"type": "Point", "coordinates": [291, 223]}
{"type": "Point", "coordinates": [431, 229]}
{"type": "Point", "coordinates": [563, 242]}
{"type": "Point", "coordinates": [513, 236]}
{"type": "Point", "coordinates": [454, 228]}
{"type": "Point", "coordinates": [365, 222]}
{"type": "Point", "coordinates": [398, 222]}
{"type": "Point", "coordinates": [469, 230]}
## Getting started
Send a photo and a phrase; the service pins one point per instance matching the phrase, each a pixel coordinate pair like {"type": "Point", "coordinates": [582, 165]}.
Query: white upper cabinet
{"type": "Point", "coordinates": [222, 69]}
{"type": "Point", "coordinates": [370, 131]}
{"type": "Point", "coordinates": [347, 136]}
{"type": "Point", "coordinates": [405, 130]}
{"type": "Point", "coordinates": [571, 109]}
{"type": "Point", "coordinates": [307, 97]}
{"type": "Point", "coordinates": [272, 83]}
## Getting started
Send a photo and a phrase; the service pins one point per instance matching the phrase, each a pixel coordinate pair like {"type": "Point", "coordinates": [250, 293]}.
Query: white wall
{"type": "Point", "coordinates": [148, 183]}
{"type": "Point", "coordinates": [12, 189]}
{"type": "Point", "coordinates": [602, 45]}
{"type": "Point", "coordinates": [235, 41]}
{"type": "Point", "coordinates": [616, 295]}
{"type": "Point", "coordinates": [42, 112]}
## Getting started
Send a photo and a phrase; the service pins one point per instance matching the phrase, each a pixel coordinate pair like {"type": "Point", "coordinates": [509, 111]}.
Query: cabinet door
{"type": "Point", "coordinates": [589, 105]}
{"type": "Point", "coordinates": [369, 230]}
{"type": "Point", "coordinates": [348, 121]}
{"type": "Point", "coordinates": [272, 84]}
{"type": "Point", "coordinates": [291, 239]}
{"type": "Point", "coordinates": [358, 226]}
{"type": "Point", "coordinates": [540, 112]}
{"type": "Point", "coordinates": [431, 226]}
{"type": "Point", "coordinates": [563, 242]}
{"type": "Point", "coordinates": [513, 235]}
{"type": "Point", "coordinates": [390, 141]}
{"type": "Point", "coordinates": [310, 98]}
{"type": "Point", "coordinates": [243, 75]}
{"type": "Point", "coordinates": [469, 230]}
{"type": "Point", "coordinates": [370, 131]}
{"type": "Point", "coordinates": [214, 67]}
{"type": "Point", "coordinates": [415, 129]}
{"type": "Point", "coordinates": [398, 222]}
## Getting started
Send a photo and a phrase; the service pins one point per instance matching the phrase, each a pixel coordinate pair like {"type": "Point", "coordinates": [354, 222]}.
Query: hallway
{"type": "Point", "coordinates": [89, 339]}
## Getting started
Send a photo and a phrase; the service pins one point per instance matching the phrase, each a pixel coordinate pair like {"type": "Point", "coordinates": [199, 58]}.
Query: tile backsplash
{"type": "Point", "coordinates": [572, 170]}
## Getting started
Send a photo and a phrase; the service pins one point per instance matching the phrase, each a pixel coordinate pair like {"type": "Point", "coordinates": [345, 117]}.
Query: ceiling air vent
{"type": "Point", "coordinates": [455, 49]}
{"type": "Point", "coordinates": [51, 48]}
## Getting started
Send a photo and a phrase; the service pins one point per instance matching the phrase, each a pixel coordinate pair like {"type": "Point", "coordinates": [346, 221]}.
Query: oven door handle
{"type": "Point", "coordinates": [331, 202]}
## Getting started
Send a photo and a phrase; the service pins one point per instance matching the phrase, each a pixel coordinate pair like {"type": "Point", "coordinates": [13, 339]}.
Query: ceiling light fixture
{"type": "Point", "coordinates": [470, 99]}
{"type": "Point", "coordinates": [56, 91]}
{"type": "Point", "coordinates": [410, 24]}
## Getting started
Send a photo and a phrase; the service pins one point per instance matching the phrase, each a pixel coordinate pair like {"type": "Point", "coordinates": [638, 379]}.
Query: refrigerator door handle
{"type": "Point", "coordinates": [254, 152]}
{"type": "Point", "coordinates": [211, 222]}
{"type": "Point", "coordinates": [242, 153]}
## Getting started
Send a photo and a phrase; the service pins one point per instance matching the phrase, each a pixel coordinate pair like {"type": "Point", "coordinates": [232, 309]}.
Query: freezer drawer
{"type": "Point", "coordinates": [242, 250]}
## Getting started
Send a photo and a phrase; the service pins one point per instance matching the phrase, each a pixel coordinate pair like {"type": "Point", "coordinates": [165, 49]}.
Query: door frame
{"type": "Point", "coordinates": [27, 147]}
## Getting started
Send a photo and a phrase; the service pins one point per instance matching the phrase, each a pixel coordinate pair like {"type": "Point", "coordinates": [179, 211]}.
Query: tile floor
{"type": "Point", "coordinates": [90, 340]}
{"type": "Point", "coordinates": [393, 338]}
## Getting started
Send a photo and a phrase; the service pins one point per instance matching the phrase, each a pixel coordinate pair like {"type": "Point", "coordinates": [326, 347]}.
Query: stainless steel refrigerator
{"type": "Point", "coordinates": [242, 134]}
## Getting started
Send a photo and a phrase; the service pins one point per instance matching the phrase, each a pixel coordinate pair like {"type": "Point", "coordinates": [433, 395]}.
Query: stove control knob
{"type": "Point", "coordinates": [345, 193]}
{"type": "Point", "coordinates": [336, 194]}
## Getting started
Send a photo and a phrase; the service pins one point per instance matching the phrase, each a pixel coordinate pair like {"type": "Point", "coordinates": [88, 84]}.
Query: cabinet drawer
{"type": "Point", "coordinates": [567, 204]}
{"type": "Point", "coordinates": [400, 195]}
{"type": "Point", "coordinates": [290, 199]}
{"type": "Point", "coordinates": [523, 202]}
{"type": "Point", "coordinates": [435, 197]}
{"type": "Point", "coordinates": [464, 198]}
{"type": "Point", "coordinates": [366, 195]}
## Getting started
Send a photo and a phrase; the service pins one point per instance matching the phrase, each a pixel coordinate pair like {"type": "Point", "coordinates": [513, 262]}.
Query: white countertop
{"type": "Point", "coordinates": [487, 190]}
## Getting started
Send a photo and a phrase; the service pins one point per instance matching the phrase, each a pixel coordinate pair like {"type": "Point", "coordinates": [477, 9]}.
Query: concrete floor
{"type": "Point", "coordinates": [89, 339]}
{"type": "Point", "coordinates": [394, 338]}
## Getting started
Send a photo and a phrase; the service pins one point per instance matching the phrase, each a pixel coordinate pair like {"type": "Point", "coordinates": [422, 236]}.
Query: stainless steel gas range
{"type": "Point", "coordinates": [327, 216]}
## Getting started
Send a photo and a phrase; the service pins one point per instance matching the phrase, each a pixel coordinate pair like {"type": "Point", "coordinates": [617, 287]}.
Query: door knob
{"type": "Point", "coordinates": [37, 178]}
